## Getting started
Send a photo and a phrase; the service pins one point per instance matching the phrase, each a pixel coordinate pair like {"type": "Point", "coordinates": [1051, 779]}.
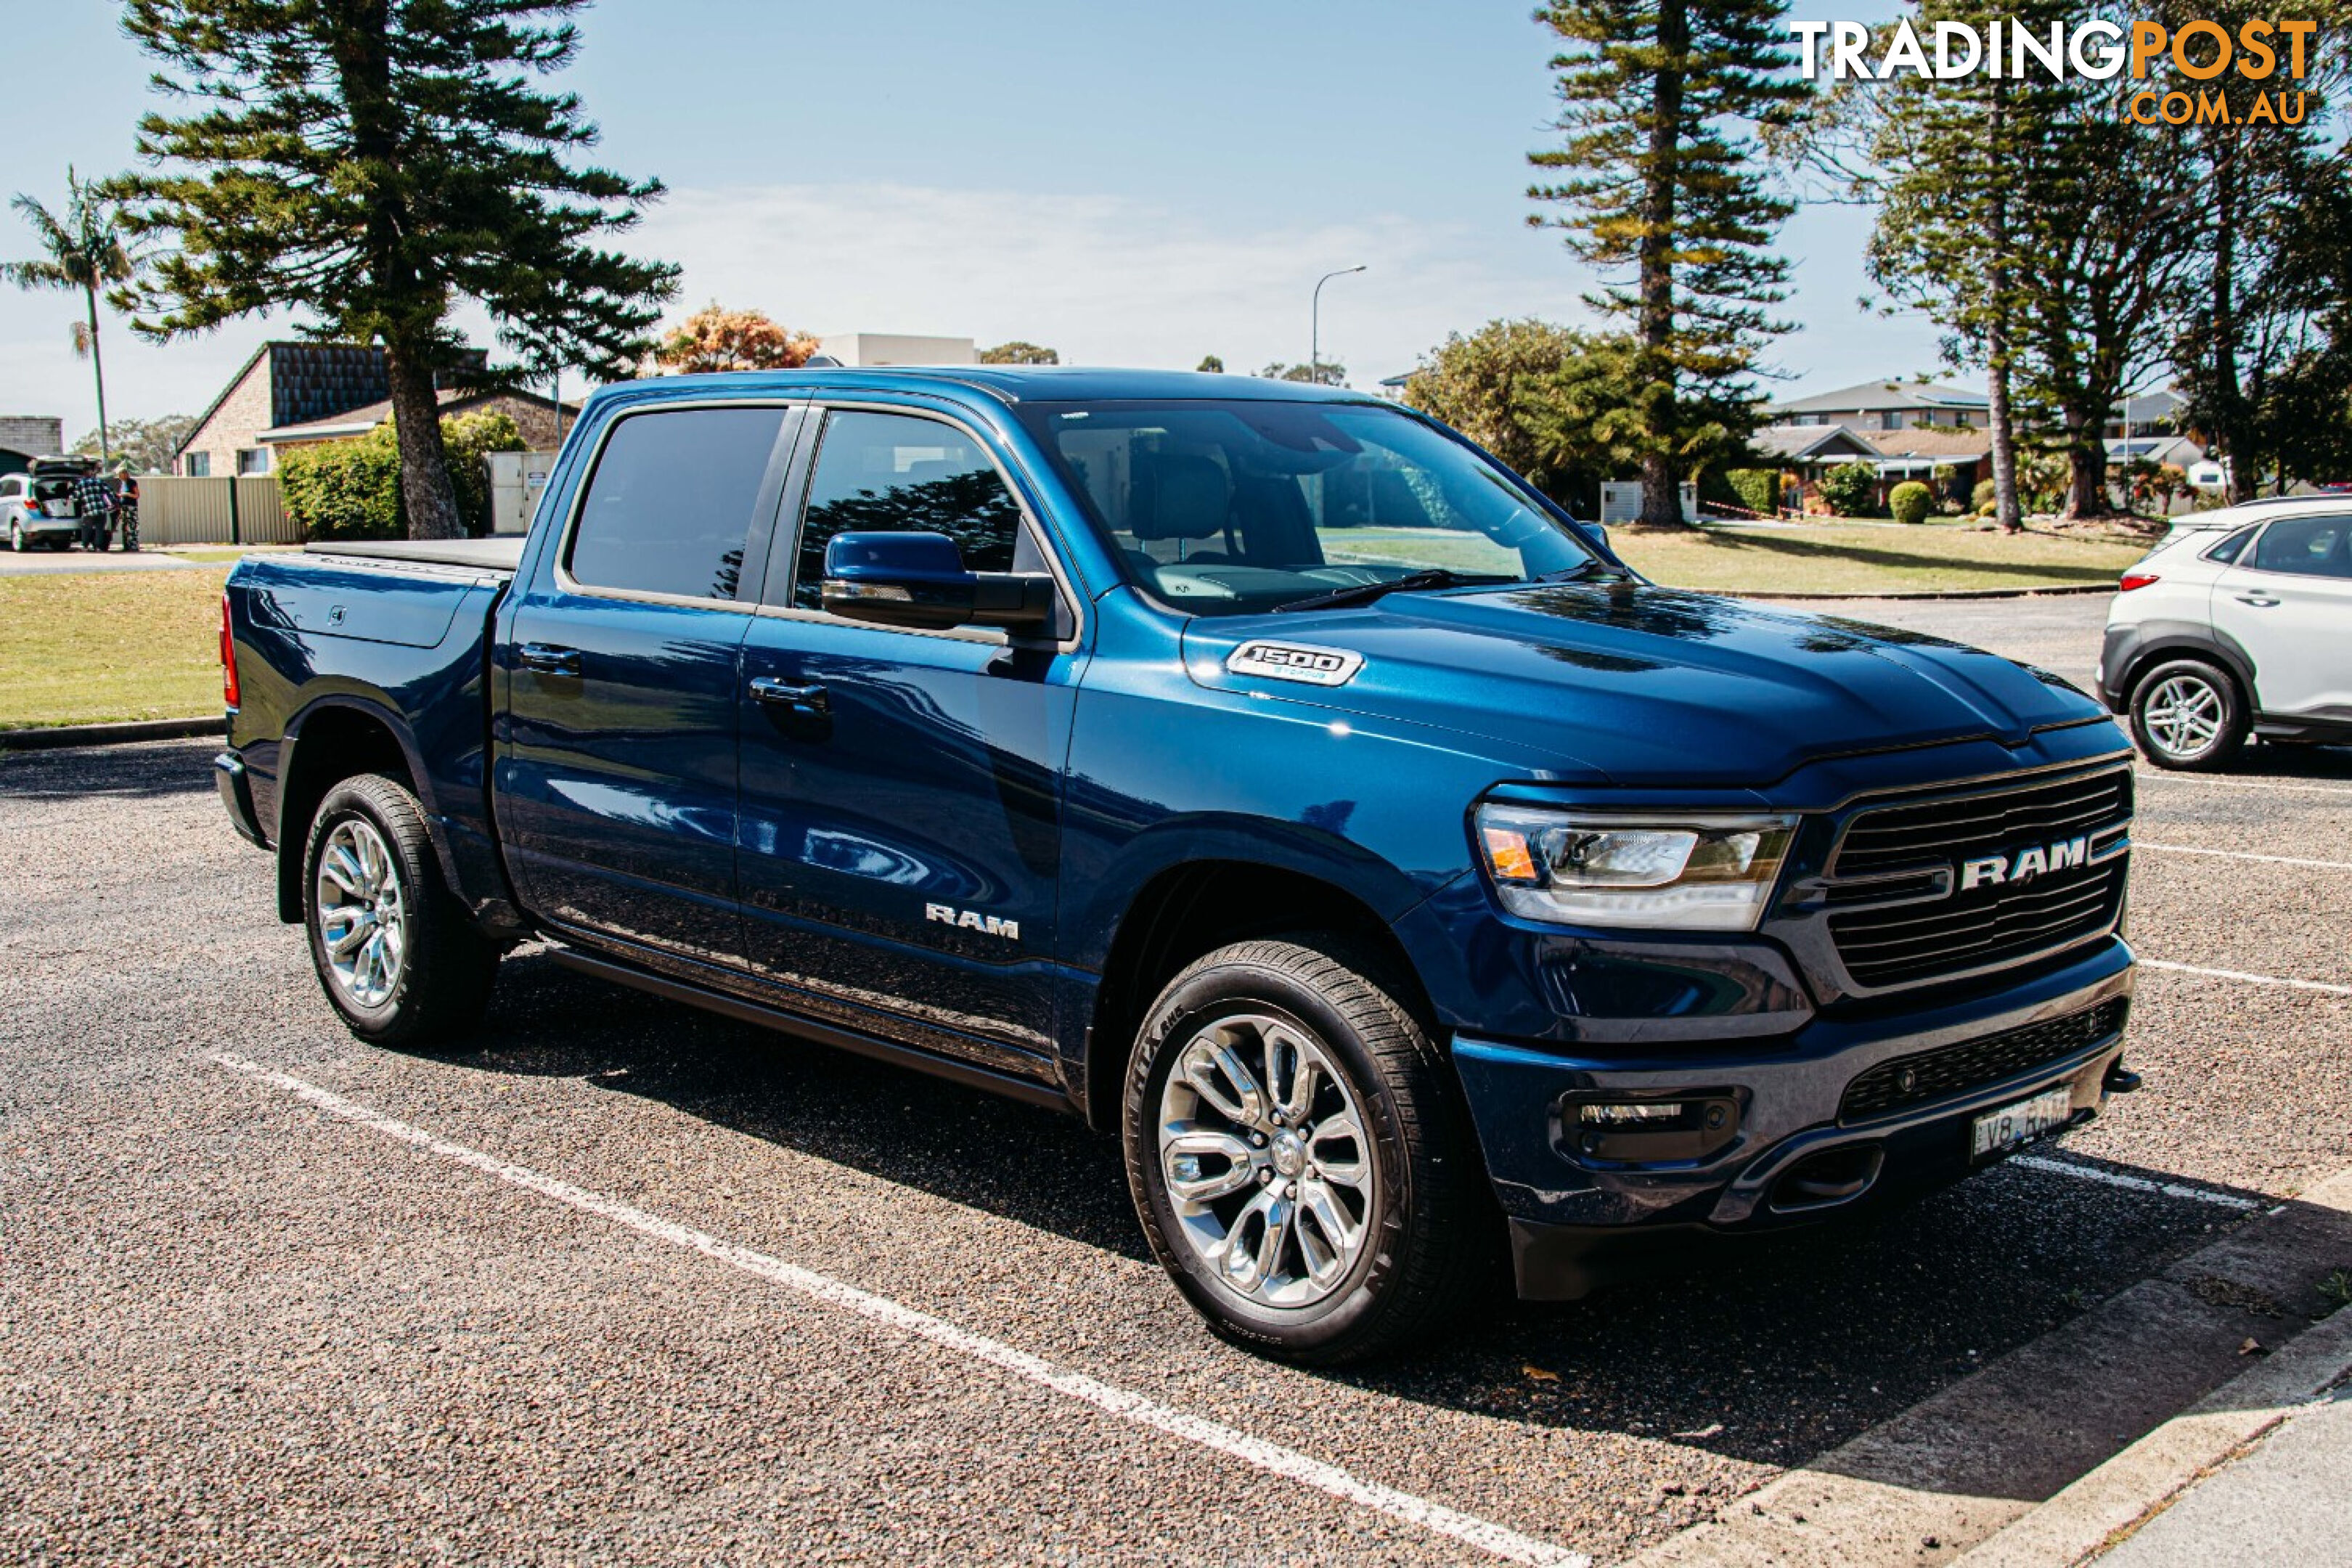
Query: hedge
{"type": "Point", "coordinates": [1910, 501]}
{"type": "Point", "coordinates": [1759, 489]}
{"type": "Point", "coordinates": [351, 489]}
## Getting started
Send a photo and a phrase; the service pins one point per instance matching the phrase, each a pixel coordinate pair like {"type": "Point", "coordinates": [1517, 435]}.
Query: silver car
{"type": "Point", "coordinates": [36, 508]}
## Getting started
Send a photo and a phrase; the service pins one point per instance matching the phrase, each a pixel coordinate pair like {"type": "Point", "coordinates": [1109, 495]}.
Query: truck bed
{"type": "Point", "coordinates": [503, 554]}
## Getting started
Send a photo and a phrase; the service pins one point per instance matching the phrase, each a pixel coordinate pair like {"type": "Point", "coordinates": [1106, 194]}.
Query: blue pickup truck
{"type": "Point", "coordinates": [1260, 772]}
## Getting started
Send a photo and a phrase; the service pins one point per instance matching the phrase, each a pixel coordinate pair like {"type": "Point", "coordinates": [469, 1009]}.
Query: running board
{"type": "Point", "coordinates": [966, 1073]}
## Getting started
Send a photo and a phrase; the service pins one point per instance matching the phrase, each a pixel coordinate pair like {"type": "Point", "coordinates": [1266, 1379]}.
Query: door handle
{"type": "Point", "coordinates": [550, 660]}
{"type": "Point", "coordinates": [2262, 601]}
{"type": "Point", "coordinates": [784, 694]}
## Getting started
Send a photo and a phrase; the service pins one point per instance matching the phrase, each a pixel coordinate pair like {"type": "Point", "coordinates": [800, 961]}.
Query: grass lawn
{"type": "Point", "coordinates": [89, 647]}
{"type": "Point", "coordinates": [1824, 558]}
{"type": "Point", "coordinates": [1829, 558]}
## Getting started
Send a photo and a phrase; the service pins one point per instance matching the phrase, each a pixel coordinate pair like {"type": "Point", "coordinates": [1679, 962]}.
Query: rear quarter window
{"type": "Point", "coordinates": [2306, 547]}
{"type": "Point", "coordinates": [669, 507]}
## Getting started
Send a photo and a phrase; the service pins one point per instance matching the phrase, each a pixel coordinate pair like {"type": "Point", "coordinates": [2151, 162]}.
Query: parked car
{"type": "Point", "coordinates": [1254, 770]}
{"type": "Point", "coordinates": [2220, 634]}
{"type": "Point", "coordinates": [36, 507]}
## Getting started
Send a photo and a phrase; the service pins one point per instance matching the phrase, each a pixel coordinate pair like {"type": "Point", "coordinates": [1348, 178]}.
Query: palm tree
{"type": "Point", "coordinates": [86, 251]}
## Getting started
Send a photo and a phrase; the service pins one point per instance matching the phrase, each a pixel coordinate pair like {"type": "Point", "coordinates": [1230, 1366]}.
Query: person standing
{"type": "Point", "coordinates": [126, 510]}
{"type": "Point", "coordinates": [94, 505]}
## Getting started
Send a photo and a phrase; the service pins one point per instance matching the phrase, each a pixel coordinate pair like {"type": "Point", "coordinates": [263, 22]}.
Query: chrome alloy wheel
{"type": "Point", "coordinates": [1269, 1169]}
{"type": "Point", "coordinates": [363, 911]}
{"type": "Point", "coordinates": [2185, 715]}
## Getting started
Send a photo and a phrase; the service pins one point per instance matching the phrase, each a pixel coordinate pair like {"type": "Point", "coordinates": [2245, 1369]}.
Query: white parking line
{"type": "Point", "coordinates": [1493, 1539]}
{"type": "Point", "coordinates": [2241, 975]}
{"type": "Point", "coordinates": [2136, 1183]}
{"type": "Point", "coordinates": [2163, 776]}
{"type": "Point", "coordinates": [2243, 855]}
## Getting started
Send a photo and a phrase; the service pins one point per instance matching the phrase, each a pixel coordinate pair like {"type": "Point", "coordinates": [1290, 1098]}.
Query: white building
{"type": "Point", "coordinates": [897, 348]}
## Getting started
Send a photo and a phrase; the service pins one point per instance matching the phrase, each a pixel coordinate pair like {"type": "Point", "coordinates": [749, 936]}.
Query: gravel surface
{"type": "Point", "coordinates": [233, 1328]}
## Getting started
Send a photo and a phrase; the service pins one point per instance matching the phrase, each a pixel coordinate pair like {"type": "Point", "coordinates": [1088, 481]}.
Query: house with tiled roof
{"type": "Point", "coordinates": [1875, 405]}
{"type": "Point", "coordinates": [289, 394]}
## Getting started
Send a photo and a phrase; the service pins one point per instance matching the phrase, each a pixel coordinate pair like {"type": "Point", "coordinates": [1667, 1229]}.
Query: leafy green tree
{"type": "Point", "coordinates": [1019, 353]}
{"type": "Point", "coordinates": [1488, 383]}
{"type": "Point", "coordinates": [1327, 374]}
{"type": "Point", "coordinates": [372, 164]}
{"type": "Point", "coordinates": [84, 249]}
{"type": "Point", "coordinates": [140, 445]}
{"type": "Point", "coordinates": [1210, 364]}
{"type": "Point", "coordinates": [2041, 227]}
{"type": "Point", "coordinates": [2270, 261]}
{"type": "Point", "coordinates": [1657, 183]}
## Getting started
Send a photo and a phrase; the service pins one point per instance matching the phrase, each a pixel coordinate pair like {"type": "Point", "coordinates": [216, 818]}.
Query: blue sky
{"type": "Point", "coordinates": [1131, 185]}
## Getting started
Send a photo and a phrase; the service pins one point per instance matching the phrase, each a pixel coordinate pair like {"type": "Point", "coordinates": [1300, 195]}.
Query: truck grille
{"type": "Point", "coordinates": [1919, 936]}
{"type": "Point", "coordinates": [1905, 1081]}
{"type": "Point", "coordinates": [1932, 832]}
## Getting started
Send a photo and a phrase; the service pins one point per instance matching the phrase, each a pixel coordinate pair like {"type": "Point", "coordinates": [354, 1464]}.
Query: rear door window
{"type": "Point", "coordinates": [670, 505]}
{"type": "Point", "coordinates": [2305, 547]}
{"type": "Point", "coordinates": [902, 473]}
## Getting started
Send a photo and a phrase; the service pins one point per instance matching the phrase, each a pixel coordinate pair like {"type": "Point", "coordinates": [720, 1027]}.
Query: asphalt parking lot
{"type": "Point", "coordinates": [633, 1283]}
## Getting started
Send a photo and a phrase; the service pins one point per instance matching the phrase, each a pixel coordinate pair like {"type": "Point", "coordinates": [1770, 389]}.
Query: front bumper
{"type": "Point", "coordinates": [1796, 1151]}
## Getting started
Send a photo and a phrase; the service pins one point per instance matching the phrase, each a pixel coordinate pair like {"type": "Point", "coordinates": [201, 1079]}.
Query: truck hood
{"type": "Point", "coordinates": [1647, 686]}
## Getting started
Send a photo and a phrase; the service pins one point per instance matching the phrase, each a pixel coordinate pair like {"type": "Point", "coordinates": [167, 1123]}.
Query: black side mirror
{"type": "Point", "coordinates": [917, 580]}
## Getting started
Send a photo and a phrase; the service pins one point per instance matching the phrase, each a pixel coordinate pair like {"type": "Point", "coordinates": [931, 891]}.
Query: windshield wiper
{"type": "Point", "coordinates": [1413, 583]}
{"type": "Point", "coordinates": [1594, 571]}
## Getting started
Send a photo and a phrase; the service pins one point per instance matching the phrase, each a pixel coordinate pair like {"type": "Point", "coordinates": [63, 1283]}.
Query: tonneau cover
{"type": "Point", "coordinates": [501, 554]}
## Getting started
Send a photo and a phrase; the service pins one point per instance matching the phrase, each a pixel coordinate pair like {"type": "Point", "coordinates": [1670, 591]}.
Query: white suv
{"type": "Point", "coordinates": [2240, 626]}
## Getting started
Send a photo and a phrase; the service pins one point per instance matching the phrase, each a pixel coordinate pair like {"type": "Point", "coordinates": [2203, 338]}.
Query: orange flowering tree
{"type": "Point", "coordinates": [716, 338]}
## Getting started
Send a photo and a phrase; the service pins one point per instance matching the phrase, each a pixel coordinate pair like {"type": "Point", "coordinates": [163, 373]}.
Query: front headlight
{"type": "Point", "coordinates": [1662, 872]}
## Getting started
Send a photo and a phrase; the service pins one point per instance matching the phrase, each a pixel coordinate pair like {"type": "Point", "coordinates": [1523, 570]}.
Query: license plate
{"type": "Point", "coordinates": [2005, 1128]}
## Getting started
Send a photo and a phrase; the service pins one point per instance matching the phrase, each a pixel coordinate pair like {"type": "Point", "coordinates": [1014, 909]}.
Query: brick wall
{"type": "Point", "coordinates": [243, 415]}
{"type": "Point", "coordinates": [33, 435]}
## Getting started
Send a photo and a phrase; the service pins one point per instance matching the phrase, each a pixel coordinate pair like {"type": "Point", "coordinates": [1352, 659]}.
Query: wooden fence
{"type": "Point", "coordinates": [175, 510]}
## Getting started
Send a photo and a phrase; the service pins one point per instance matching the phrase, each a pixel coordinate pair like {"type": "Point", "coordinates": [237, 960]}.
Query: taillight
{"type": "Point", "coordinates": [228, 657]}
{"type": "Point", "coordinates": [2135, 580]}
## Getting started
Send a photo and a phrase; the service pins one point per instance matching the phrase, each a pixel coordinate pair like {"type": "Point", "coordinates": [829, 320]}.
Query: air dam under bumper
{"type": "Point", "coordinates": [1790, 1150]}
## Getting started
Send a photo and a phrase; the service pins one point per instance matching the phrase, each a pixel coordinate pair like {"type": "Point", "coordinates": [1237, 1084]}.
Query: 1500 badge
{"type": "Point", "coordinates": [1301, 662]}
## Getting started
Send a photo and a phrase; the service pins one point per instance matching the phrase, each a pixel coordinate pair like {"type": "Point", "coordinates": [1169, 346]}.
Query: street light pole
{"type": "Point", "coordinates": [1315, 327]}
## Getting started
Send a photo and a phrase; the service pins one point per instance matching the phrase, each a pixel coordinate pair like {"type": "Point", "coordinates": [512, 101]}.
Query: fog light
{"type": "Point", "coordinates": [1648, 1131]}
{"type": "Point", "coordinates": [1648, 1111]}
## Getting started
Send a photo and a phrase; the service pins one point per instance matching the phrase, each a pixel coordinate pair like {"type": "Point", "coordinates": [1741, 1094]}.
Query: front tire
{"type": "Point", "coordinates": [2189, 716]}
{"type": "Point", "coordinates": [1299, 1158]}
{"type": "Point", "coordinates": [396, 950]}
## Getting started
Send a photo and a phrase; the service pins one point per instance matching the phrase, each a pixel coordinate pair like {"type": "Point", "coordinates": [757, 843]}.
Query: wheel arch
{"type": "Point", "coordinates": [334, 739]}
{"type": "Point", "coordinates": [1196, 905]}
{"type": "Point", "coordinates": [2208, 645]}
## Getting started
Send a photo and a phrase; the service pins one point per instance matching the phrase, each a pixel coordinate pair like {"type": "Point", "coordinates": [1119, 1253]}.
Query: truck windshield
{"type": "Point", "coordinates": [1233, 507]}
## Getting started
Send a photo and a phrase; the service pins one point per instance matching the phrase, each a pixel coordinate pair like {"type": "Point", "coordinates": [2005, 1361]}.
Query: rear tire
{"type": "Point", "coordinates": [15, 539]}
{"type": "Point", "coordinates": [396, 950]}
{"type": "Point", "coordinates": [1322, 1211]}
{"type": "Point", "coordinates": [2189, 716]}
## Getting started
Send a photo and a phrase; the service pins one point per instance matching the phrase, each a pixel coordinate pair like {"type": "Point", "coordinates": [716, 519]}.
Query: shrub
{"type": "Point", "coordinates": [1910, 501]}
{"type": "Point", "coordinates": [1986, 494]}
{"type": "Point", "coordinates": [1851, 489]}
{"type": "Point", "coordinates": [344, 489]}
{"type": "Point", "coordinates": [351, 489]}
{"type": "Point", "coordinates": [1758, 490]}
